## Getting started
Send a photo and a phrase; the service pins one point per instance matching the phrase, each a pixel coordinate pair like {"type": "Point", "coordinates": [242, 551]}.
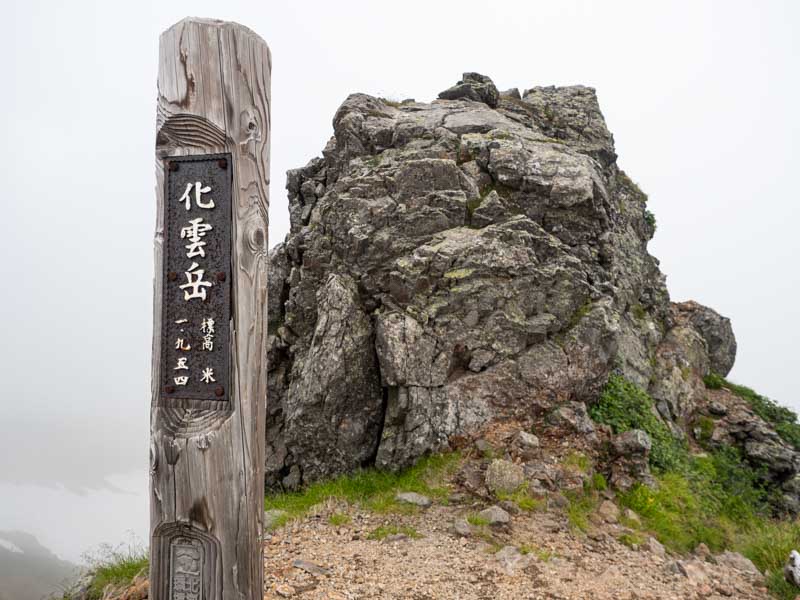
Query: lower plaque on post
{"type": "Point", "coordinates": [186, 569]}
{"type": "Point", "coordinates": [185, 563]}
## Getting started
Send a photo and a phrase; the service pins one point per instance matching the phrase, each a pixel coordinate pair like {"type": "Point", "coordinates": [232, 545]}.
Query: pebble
{"type": "Point", "coordinates": [414, 498]}
{"type": "Point", "coordinates": [461, 528]}
{"type": "Point", "coordinates": [608, 511]}
{"type": "Point", "coordinates": [310, 567]}
{"type": "Point", "coordinates": [284, 590]}
{"type": "Point", "coordinates": [495, 515]}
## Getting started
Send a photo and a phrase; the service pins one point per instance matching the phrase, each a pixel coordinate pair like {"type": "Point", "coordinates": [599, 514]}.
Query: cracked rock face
{"type": "Point", "coordinates": [458, 262]}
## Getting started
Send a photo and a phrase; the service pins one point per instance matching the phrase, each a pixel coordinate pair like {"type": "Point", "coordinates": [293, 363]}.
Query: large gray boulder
{"type": "Point", "coordinates": [716, 332]}
{"type": "Point", "coordinates": [450, 264]}
{"type": "Point", "coordinates": [334, 409]}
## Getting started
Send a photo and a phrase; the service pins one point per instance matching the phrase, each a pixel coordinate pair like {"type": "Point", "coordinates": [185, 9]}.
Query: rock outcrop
{"type": "Point", "coordinates": [450, 264]}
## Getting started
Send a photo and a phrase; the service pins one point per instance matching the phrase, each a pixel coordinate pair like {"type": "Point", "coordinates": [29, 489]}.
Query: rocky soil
{"type": "Point", "coordinates": [472, 546]}
{"type": "Point", "coordinates": [315, 560]}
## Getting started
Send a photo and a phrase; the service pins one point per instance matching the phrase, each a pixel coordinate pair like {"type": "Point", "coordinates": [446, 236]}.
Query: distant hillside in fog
{"type": "Point", "coordinates": [28, 570]}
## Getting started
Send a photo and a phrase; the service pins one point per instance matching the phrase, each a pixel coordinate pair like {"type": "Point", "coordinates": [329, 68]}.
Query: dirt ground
{"type": "Point", "coordinates": [313, 559]}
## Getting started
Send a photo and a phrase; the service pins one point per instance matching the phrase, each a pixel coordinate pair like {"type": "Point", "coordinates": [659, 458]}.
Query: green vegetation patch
{"type": "Point", "coordinates": [650, 219]}
{"type": "Point", "coordinates": [717, 499]}
{"type": "Point", "coordinates": [116, 567]}
{"type": "Point", "coordinates": [704, 429]}
{"type": "Point", "coordinates": [633, 539]}
{"type": "Point", "coordinates": [624, 180]}
{"type": "Point", "coordinates": [384, 531]}
{"type": "Point", "coordinates": [577, 461]}
{"type": "Point", "coordinates": [583, 310]}
{"type": "Point", "coordinates": [581, 505]}
{"type": "Point", "coordinates": [781, 418]}
{"type": "Point", "coordinates": [638, 311]}
{"type": "Point", "coordinates": [339, 519]}
{"type": "Point", "coordinates": [598, 482]}
{"type": "Point", "coordinates": [477, 520]}
{"type": "Point", "coordinates": [624, 406]}
{"type": "Point", "coordinates": [523, 499]}
{"type": "Point", "coordinates": [542, 554]}
{"type": "Point", "coordinates": [371, 488]}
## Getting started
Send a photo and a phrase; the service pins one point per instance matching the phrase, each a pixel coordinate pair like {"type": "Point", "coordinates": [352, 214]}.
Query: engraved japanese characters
{"type": "Point", "coordinates": [195, 353]}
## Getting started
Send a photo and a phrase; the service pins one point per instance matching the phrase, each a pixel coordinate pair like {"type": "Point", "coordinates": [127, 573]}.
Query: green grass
{"type": "Point", "coordinates": [780, 588]}
{"type": "Point", "coordinates": [523, 499]}
{"type": "Point", "coordinates": [115, 566]}
{"type": "Point", "coordinates": [633, 539]}
{"type": "Point", "coordinates": [598, 482]}
{"type": "Point", "coordinates": [488, 452]}
{"type": "Point", "coordinates": [624, 406]}
{"type": "Point", "coordinates": [581, 505]}
{"type": "Point", "coordinates": [718, 500]}
{"type": "Point", "coordinates": [713, 381]}
{"type": "Point", "coordinates": [638, 312]}
{"type": "Point", "coordinates": [339, 519]}
{"type": "Point", "coordinates": [781, 418]}
{"type": "Point", "coordinates": [540, 553]}
{"type": "Point", "coordinates": [705, 429]}
{"type": "Point", "coordinates": [371, 488]}
{"type": "Point", "coordinates": [577, 461]}
{"type": "Point", "coordinates": [384, 531]}
{"type": "Point", "coordinates": [714, 498]}
{"type": "Point", "coordinates": [477, 520]}
{"type": "Point", "coordinates": [578, 315]}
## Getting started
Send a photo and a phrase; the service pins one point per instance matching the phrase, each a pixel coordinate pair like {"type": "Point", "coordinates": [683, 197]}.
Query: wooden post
{"type": "Point", "coordinates": [209, 313]}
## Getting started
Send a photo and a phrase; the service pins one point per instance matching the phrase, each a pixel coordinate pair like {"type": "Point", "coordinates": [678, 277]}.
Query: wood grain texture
{"type": "Point", "coordinates": [207, 466]}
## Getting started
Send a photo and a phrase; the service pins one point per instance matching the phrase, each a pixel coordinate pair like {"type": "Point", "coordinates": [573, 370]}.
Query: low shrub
{"type": "Point", "coordinates": [781, 418]}
{"type": "Point", "coordinates": [624, 406]}
{"type": "Point", "coordinates": [650, 219]}
{"type": "Point", "coordinates": [713, 381]}
{"type": "Point", "coordinates": [704, 429]}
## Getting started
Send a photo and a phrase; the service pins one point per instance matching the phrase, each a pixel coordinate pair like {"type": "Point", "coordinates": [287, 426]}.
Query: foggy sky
{"type": "Point", "coordinates": [701, 97]}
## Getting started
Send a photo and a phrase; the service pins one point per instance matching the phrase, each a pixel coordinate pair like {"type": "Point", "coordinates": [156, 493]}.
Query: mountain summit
{"type": "Point", "coordinates": [474, 260]}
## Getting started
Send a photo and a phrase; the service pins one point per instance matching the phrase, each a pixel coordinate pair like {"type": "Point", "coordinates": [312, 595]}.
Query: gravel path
{"type": "Point", "coordinates": [312, 559]}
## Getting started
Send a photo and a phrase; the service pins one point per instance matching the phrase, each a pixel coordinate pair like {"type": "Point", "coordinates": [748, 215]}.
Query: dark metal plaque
{"type": "Point", "coordinates": [196, 311]}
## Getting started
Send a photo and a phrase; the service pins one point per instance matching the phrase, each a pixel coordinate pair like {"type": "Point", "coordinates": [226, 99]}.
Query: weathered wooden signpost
{"type": "Point", "coordinates": [210, 303]}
